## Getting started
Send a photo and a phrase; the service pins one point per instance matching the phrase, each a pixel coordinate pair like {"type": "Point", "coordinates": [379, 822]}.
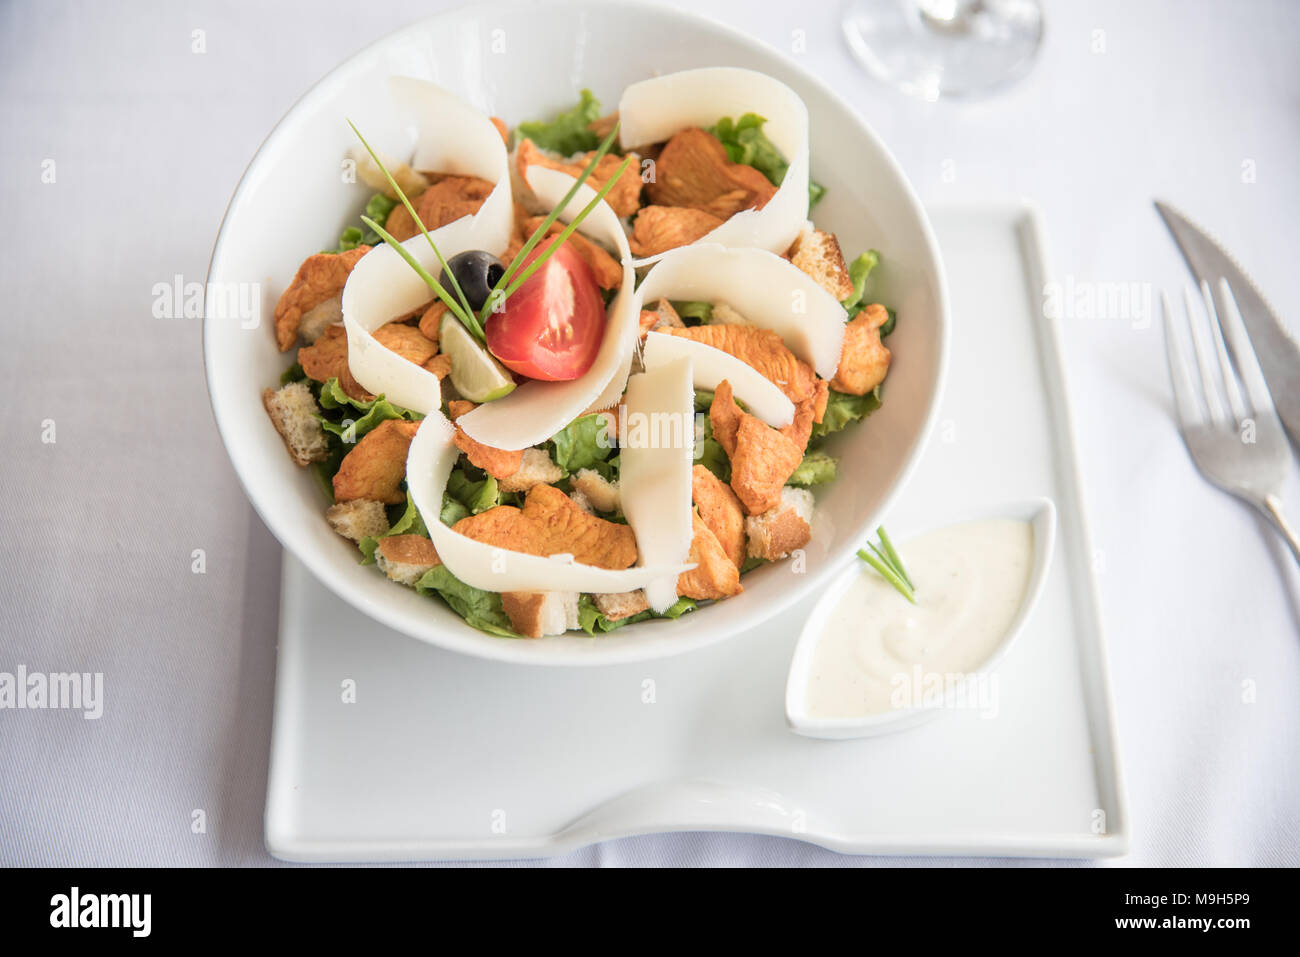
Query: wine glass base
{"type": "Point", "coordinates": [945, 48]}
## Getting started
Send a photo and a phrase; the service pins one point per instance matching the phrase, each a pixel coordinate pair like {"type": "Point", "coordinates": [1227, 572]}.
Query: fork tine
{"type": "Point", "coordinates": [1236, 404]}
{"type": "Point", "coordinates": [1243, 352]}
{"type": "Point", "coordinates": [1185, 404]}
{"type": "Point", "coordinates": [1203, 362]}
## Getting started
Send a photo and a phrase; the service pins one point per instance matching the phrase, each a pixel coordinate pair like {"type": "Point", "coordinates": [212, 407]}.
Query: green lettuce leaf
{"type": "Point", "coordinates": [411, 522]}
{"type": "Point", "coordinates": [364, 415]}
{"type": "Point", "coordinates": [817, 468]}
{"type": "Point", "coordinates": [701, 312]}
{"type": "Point", "coordinates": [584, 444]}
{"type": "Point", "coordinates": [475, 494]}
{"type": "Point", "coordinates": [708, 450]}
{"type": "Point", "coordinates": [859, 270]}
{"type": "Point", "coordinates": [892, 321]}
{"type": "Point", "coordinates": [377, 208]}
{"type": "Point", "coordinates": [324, 472]}
{"type": "Point", "coordinates": [453, 510]}
{"type": "Point", "coordinates": [368, 546]}
{"type": "Point", "coordinates": [841, 409]}
{"type": "Point", "coordinates": [746, 143]}
{"type": "Point", "coordinates": [481, 609]}
{"type": "Point", "coordinates": [292, 374]}
{"type": "Point", "coordinates": [567, 133]}
{"type": "Point", "coordinates": [593, 622]}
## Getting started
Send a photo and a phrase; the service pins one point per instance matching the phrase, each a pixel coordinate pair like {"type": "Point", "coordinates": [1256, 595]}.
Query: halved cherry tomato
{"type": "Point", "coordinates": [551, 327]}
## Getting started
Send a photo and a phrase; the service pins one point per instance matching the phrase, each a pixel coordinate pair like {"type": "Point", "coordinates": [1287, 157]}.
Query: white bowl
{"type": "Point", "coordinates": [1039, 512]}
{"type": "Point", "coordinates": [291, 202]}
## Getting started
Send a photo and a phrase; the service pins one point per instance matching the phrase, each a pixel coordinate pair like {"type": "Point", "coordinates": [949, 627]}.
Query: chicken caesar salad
{"type": "Point", "coordinates": [581, 373]}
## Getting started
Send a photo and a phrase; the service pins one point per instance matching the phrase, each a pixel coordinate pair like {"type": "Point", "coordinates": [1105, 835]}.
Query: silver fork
{"type": "Point", "coordinates": [1235, 440]}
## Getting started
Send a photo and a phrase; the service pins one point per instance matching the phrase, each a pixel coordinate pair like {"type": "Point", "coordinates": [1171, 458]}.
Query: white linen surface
{"type": "Point", "coordinates": [1193, 101]}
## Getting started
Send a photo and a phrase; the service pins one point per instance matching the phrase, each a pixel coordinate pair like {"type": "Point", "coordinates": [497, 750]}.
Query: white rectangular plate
{"type": "Point", "coordinates": [442, 756]}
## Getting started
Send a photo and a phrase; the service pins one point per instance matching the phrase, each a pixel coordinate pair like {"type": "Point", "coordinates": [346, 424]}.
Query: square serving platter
{"type": "Point", "coordinates": [387, 749]}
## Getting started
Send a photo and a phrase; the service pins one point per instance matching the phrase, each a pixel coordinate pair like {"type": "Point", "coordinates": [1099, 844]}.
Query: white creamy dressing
{"type": "Point", "coordinates": [970, 580]}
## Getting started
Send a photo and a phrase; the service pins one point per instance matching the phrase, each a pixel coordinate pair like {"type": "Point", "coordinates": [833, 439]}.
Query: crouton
{"type": "Point", "coordinates": [668, 316]}
{"type": "Point", "coordinates": [764, 459]}
{"type": "Point", "coordinates": [536, 468]}
{"type": "Point", "coordinates": [864, 360]}
{"type": "Point", "coordinates": [498, 463]}
{"type": "Point", "coordinates": [320, 277]}
{"type": "Point", "coordinates": [444, 202]}
{"type": "Point", "coordinates": [818, 254]}
{"type": "Point", "coordinates": [606, 269]}
{"type": "Point", "coordinates": [582, 502]}
{"type": "Point", "coordinates": [358, 519]}
{"type": "Point", "coordinates": [658, 229]}
{"type": "Point", "coordinates": [600, 492]}
{"type": "Point", "coordinates": [293, 411]}
{"type": "Point", "coordinates": [536, 614]}
{"type": "Point", "coordinates": [721, 511]}
{"type": "Point", "coordinates": [376, 467]}
{"type": "Point", "coordinates": [620, 605]}
{"type": "Point", "coordinates": [551, 523]}
{"type": "Point", "coordinates": [725, 315]}
{"type": "Point", "coordinates": [693, 170]}
{"type": "Point", "coordinates": [625, 196]}
{"type": "Point", "coordinates": [714, 575]}
{"type": "Point", "coordinates": [316, 320]}
{"type": "Point", "coordinates": [662, 316]}
{"type": "Point", "coordinates": [411, 182]}
{"type": "Point", "coordinates": [781, 529]}
{"type": "Point", "coordinates": [761, 349]}
{"type": "Point", "coordinates": [405, 558]}
{"type": "Point", "coordinates": [500, 124]}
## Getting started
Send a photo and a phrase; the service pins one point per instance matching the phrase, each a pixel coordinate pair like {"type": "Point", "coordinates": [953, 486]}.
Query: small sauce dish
{"type": "Point", "coordinates": [977, 582]}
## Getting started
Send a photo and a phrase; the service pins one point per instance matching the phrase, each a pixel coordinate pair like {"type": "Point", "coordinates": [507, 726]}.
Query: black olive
{"type": "Point", "coordinates": [477, 272]}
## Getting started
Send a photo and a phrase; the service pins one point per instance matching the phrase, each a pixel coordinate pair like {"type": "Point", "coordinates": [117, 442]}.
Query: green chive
{"type": "Point", "coordinates": [568, 231]}
{"type": "Point", "coordinates": [894, 560]}
{"type": "Point", "coordinates": [540, 232]}
{"type": "Point", "coordinates": [467, 318]}
{"type": "Point", "coordinates": [882, 556]}
{"type": "Point", "coordinates": [462, 314]}
{"type": "Point", "coordinates": [888, 574]}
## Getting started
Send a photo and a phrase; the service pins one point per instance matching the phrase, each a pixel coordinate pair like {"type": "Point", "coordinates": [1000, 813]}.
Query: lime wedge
{"type": "Point", "coordinates": [475, 374]}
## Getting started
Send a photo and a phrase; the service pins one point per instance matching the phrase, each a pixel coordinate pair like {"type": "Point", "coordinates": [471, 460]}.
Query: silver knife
{"type": "Point", "coordinates": [1277, 352]}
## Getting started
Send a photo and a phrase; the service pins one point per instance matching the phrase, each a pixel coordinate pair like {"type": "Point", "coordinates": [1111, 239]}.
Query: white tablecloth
{"type": "Point", "coordinates": [1194, 101]}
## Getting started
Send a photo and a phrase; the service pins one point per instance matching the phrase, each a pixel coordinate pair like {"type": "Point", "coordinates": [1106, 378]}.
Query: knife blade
{"type": "Point", "coordinates": [1277, 352]}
